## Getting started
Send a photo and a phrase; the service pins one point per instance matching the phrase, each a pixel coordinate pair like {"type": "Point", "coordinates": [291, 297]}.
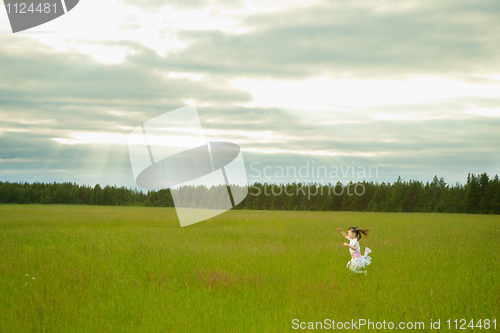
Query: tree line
{"type": "Point", "coordinates": [480, 195]}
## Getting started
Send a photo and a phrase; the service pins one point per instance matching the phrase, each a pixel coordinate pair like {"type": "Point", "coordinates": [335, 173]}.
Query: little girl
{"type": "Point", "coordinates": [357, 260]}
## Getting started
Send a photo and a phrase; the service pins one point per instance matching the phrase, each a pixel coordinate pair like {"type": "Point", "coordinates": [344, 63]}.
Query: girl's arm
{"type": "Point", "coordinates": [343, 233]}
{"type": "Point", "coordinates": [353, 247]}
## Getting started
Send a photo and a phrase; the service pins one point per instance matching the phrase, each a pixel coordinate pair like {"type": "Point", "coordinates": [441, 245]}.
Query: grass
{"type": "Point", "coordinates": [67, 268]}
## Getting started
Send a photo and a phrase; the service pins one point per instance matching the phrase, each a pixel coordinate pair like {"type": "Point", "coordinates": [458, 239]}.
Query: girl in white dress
{"type": "Point", "coordinates": [357, 261]}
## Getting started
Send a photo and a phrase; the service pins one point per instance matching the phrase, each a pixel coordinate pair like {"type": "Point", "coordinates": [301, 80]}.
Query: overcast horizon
{"type": "Point", "coordinates": [411, 88]}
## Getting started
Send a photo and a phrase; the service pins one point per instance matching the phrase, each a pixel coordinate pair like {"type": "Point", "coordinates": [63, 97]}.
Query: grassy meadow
{"type": "Point", "coordinates": [72, 268]}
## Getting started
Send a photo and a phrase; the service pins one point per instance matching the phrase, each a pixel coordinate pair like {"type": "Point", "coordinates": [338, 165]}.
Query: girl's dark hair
{"type": "Point", "coordinates": [358, 232]}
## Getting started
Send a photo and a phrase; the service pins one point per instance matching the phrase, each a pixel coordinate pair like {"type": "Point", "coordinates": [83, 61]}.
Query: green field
{"type": "Point", "coordinates": [69, 268]}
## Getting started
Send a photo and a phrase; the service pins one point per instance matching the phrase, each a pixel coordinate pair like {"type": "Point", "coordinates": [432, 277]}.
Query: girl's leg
{"type": "Point", "coordinates": [357, 269]}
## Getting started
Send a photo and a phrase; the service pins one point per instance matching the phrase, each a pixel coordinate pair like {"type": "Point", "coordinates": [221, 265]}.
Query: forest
{"type": "Point", "coordinates": [480, 195]}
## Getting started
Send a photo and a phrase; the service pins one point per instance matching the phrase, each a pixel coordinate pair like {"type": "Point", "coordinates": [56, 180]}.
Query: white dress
{"type": "Point", "coordinates": [358, 261]}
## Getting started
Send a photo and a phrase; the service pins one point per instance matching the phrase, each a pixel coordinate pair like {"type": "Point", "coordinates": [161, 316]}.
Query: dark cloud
{"type": "Point", "coordinates": [77, 92]}
{"type": "Point", "coordinates": [30, 157]}
{"type": "Point", "coordinates": [453, 39]}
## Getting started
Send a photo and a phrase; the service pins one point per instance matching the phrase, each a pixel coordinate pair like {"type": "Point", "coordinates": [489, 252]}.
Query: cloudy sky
{"type": "Point", "coordinates": [409, 87]}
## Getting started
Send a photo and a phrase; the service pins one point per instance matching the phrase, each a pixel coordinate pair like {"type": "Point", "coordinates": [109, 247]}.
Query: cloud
{"type": "Point", "coordinates": [330, 81]}
{"type": "Point", "coordinates": [351, 40]}
{"type": "Point", "coordinates": [73, 89]}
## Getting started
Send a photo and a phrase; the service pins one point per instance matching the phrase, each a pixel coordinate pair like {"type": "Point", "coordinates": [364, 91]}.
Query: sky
{"type": "Point", "coordinates": [400, 88]}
